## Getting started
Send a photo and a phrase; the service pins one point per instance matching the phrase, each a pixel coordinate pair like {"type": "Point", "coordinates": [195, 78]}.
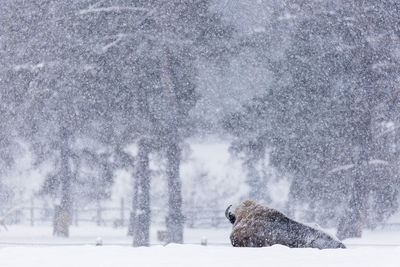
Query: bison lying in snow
{"type": "Point", "coordinates": [255, 225]}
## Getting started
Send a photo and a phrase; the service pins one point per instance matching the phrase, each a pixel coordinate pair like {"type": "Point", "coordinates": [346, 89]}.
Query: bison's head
{"type": "Point", "coordinates": [229, 215]}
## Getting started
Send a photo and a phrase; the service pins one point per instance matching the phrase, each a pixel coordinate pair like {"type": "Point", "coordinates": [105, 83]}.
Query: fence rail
{"type": "Point", "coordinates": [119, 216]}
{"type": "Point", "coordinates": [111, 216]}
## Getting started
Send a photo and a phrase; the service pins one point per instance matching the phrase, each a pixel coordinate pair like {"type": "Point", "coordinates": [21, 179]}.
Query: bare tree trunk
{"type": "Point", "coordinates": [351, 225]}
{"type": "Point", "coordinates": [132, 216]}
{"type": "Point", "coordinates": [99, 219]}
{"type": "Point", "coordinates": [292, 198]}
{"type": "Point", "coordinates": [122, 212]}
{"type": "Point", "coordinates": [256, 180]}
{"type": "Point", "coordinates": [141, 229]}
{"type": "Point", "coordinates": [62, 215]}
{"type": "Point", "coordinates": [174, 220]}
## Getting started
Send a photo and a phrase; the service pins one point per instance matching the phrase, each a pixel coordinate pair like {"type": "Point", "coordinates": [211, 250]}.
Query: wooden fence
{"type": "Point", "coordinates": [103, 215]}
{"type": "Point", "coordinates": [118, 216]}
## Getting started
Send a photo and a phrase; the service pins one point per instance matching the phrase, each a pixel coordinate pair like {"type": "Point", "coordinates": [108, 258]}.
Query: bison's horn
{"type": "Point", "coordinates": [229, 215]}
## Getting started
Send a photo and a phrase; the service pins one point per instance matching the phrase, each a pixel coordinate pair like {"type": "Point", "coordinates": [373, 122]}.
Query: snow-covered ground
{"type": "Point", "coordinates": [41, 235]}
{"type": "Point", "coordinates": [35, 246]}
{"type": "Point", "coordinates": [194, 255]}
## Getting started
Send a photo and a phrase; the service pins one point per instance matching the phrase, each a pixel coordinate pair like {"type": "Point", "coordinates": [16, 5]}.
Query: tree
{"type": "Point", "coordinates": [200, 33]}
{"type": "Point", "coordinates": [248, 126]}
{"type": "Point", "coordinates": [319, 114]}
{"type": "Point", "coordinates": [58, 103]}
{"type": "Point", "coordinates": [376, 82]}
{"type": "Point", "coordinates": [142, 59]}
{"type": "Point", "coordinates": [15, 79]}
{"type": "Point", "coordinates": [170, 36]}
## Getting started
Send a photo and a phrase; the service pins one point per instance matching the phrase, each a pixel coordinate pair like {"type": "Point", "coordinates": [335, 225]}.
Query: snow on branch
{"type": "Point", "coordinates": [341, 168]}
{"type": "Point", "coordinates": [374, 162]}
{"type": "Point", "coordinates": [27, 66]}
{"type": "Point", "coordinates": [118, 39]}
{"type": "Point", "coordinates": [112, 9]}
{"type": "Point", "coordinates": [378, 162]}
{"type": "Point", "coordinates": [390, 130]}
{"type": "Point", "coordinates": [168, 39]}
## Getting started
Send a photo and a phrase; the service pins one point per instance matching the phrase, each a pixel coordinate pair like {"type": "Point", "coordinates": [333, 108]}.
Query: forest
{"type": "Point", "coordinates": [307, 90]}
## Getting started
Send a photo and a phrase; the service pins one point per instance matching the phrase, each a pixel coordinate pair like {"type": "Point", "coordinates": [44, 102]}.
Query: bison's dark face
{"type": "Point", "coordinates": [229, 215]}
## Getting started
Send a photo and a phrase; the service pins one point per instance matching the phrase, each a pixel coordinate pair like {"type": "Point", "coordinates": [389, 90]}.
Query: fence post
{"type": "Point", "coordinates": [76, 219]}
{"type": "Point", "coordinates": [99, 219]}
{"type": "Point", "coordinates": [32, 212]}
{"type": "Point", "coordinates": [122, 212]}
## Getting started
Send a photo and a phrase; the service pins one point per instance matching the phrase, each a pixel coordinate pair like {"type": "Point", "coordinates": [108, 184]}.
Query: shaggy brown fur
{"type": "Point", "coordinates": [259, 226]}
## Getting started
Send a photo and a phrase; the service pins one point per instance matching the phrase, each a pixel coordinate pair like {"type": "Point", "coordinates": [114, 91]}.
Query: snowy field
{"type": "Point", "coordinates": [35, 247]}
{"type": "Point", "coordinates": [194, 255]}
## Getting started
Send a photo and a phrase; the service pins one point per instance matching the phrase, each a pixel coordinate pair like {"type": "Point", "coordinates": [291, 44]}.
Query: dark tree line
{"type": "Point", "coordinates": [325, 119]}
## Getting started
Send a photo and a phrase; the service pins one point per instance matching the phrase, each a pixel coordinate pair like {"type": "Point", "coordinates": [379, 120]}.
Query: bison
{"type": "Point", "coordinates": [255, 225]}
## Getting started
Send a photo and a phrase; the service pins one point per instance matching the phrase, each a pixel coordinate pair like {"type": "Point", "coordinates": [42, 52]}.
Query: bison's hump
{"type": "Point", "coordinates": [257, 225]}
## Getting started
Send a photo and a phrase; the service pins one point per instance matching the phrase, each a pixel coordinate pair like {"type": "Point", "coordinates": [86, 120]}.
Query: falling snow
{"type": "Point", "coordinates": [151, 117]}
